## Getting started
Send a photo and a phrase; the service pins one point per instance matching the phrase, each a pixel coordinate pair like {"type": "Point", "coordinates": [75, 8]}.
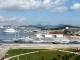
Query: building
{"type": "Point", "coordinates": [49, 35]}
{"type": "Point", "coordinates": [74, 31]}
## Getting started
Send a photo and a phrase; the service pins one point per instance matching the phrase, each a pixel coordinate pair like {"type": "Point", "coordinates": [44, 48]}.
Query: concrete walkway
{"type": "Point", "coordinates": [69, 52]}
{"type": "Point", "coordinates": [20, 55]}
{"type": "Point", "coordinates": [3, 50]}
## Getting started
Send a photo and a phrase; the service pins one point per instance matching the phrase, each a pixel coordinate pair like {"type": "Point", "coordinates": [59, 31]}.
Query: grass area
{"type": "Point", "coordinates": [69, 49]}
{"type": "Point", "coordinates": [42, 54]}
{"type": "Point", "coordinates": [14, 52]}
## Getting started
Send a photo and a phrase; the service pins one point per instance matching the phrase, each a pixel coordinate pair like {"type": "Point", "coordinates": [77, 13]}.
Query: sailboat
{"type": "Point", "coordinates": [22, 39]}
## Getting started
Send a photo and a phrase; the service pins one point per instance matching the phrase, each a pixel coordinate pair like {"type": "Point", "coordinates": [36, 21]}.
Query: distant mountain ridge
{"type": "Point", "coordinates": [53, 26]}
{"type": "Point", "coordinates": [47, 26]}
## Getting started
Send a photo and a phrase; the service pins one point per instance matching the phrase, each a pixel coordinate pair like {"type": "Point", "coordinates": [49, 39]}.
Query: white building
{"type": "Point", "coordinates": [49, 35]}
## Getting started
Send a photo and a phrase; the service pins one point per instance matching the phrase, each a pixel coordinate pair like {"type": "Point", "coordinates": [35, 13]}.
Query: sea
{"type": "Point", "coordinates": [21, 33]}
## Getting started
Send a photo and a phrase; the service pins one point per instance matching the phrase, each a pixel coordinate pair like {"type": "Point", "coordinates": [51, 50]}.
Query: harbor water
{"type": "Point", "coordinates": [8, 36]}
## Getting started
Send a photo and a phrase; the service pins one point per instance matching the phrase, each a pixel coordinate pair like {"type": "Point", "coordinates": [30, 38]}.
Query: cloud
{"type": "Point", "coordinates": [60, 9]}
{"type": "Point", "coordinates": [22, 19]}
{"type": "Point", "coordinates": [52, 5]}
{"type": "Point", "coordinates": [12, 20]}
{"type": "Point", "coordinates": [18, 5]}
{"type": "Point", "coordinates": [75, 7]}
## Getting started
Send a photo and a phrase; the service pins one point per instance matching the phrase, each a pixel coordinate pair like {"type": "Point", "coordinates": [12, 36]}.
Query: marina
{"type": "Point", "coordinates": [35, 38]}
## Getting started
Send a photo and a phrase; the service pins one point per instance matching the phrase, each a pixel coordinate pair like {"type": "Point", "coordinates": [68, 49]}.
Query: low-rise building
{"type": "Point", "coordinates": [49, 35]}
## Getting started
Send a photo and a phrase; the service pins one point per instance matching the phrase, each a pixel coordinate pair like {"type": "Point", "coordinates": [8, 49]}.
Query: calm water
{"type": "Point", "coordinates": [6, 36]}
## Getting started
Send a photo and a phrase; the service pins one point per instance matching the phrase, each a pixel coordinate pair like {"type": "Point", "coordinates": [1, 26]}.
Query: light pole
{"type": "Point", "coordinates": [17, 57]}
{"type": "Point", "coordinates": [26, 58]}
{"type": "Point", "coordinates": [34, 58]}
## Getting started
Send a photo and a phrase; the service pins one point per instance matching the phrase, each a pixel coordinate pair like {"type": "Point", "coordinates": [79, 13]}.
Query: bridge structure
{"type": "Point", "coordinates": [3, 50]}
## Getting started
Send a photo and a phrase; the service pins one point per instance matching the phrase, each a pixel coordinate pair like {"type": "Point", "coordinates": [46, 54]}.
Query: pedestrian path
{"type": "Point", "coordinates": [70, 52]}
{"type": "Point", "coordinates": [3, 50]}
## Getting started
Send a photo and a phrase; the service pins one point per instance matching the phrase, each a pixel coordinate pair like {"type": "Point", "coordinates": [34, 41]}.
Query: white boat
{"type": "Point", "coordinates": [36, 41]}
{"type": "Point", "coordinates": [61, 41]}
{"type": "Point", "coordinates": [10, 30]}
{"type": "Point", "coordinates": [23, 39]}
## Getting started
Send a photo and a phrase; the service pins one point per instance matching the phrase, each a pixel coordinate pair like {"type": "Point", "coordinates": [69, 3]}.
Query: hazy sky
{"type": "Point", "coordinates": [26, 12]}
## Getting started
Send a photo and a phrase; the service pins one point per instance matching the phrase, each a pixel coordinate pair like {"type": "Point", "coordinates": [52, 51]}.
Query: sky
{"type": "Point", "coordinates": [32, 12]}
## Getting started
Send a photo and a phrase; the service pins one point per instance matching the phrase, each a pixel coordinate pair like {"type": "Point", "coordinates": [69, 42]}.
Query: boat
{"type": "Point", "coordinates": [36, 41]}
{"type": "Point", "coordinates": [23, 39]}
{"type": "Point", "coordinates": [61, 41]}
{"type": "Point", "coordinates": [75, 42]}
{"type": "Point", "coordinates": [10, 30]}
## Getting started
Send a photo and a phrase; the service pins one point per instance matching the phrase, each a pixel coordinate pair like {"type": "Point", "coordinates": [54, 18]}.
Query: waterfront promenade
{"type": "Point", "coordinates": [43, 46]}
{"type": "Point", "coordinates": [3, 50]}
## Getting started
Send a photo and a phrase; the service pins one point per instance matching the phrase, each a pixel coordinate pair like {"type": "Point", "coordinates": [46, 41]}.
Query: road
{"type": "Point", "coordinates": [70, 52]}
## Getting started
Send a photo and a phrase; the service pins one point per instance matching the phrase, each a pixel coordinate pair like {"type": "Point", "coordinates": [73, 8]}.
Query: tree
{"type": "Point", "coordinates": [42, 58]}
{"type": "Point", "coordinates": [59, 56]}
{"type": "Point", "coordinates": [63, 57]}
{"type": "Point", "coordinates": [66, 31]}
{"type": "Point", "coordinates": [53, 58]}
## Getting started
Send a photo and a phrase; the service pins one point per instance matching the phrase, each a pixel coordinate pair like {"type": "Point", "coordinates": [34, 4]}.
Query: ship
{"type": "Point", "coordinates": [61, 41]}
{"type": "Point", "coordinates": [23, 39]}
{"type": "Point", "coordinates": [36, 41]}
{"type": "Point", "coordinates": [10, 30]}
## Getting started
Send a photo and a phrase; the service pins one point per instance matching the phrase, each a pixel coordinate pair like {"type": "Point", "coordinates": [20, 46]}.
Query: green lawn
{"type": "Point", "coordinates": [45, 54]}
{"type": "Point", "coordinates": [68, 49]}
{"type": "Point", "coordinates": [14, 52]}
